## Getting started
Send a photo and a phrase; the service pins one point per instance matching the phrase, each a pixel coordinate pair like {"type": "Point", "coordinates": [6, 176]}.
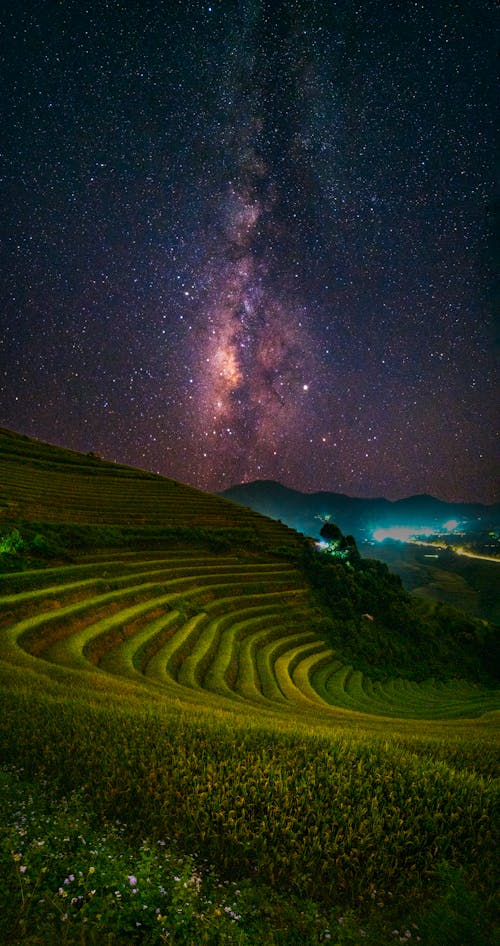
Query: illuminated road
{"type": "Point", "coordinates": [485, 558]}
{"type": "Point", "coordinates": [458, 550]}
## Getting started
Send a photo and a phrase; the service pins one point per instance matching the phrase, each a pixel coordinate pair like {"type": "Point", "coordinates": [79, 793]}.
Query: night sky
{"type": "Point", "coordinates": [254, 240]}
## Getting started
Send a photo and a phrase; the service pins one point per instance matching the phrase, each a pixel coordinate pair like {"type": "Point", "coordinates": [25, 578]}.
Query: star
{"type": "Point", "coordinates": [279, 224]}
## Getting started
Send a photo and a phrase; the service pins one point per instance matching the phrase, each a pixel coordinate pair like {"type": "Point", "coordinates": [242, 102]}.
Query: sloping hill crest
{"type": "Point", "coordinates": [42, 482]}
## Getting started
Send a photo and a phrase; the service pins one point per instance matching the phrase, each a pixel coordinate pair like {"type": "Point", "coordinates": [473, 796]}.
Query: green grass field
{"type": "Point", "coordinates": [172, 712]}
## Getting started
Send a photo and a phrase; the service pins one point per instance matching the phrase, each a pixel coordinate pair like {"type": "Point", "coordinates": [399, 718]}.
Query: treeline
{"type": "Point", "coordinates": [31, 544]}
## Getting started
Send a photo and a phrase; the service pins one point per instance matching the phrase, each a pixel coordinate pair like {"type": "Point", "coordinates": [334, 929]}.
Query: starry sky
{"type": "Point", "coordinates": [254, 239]}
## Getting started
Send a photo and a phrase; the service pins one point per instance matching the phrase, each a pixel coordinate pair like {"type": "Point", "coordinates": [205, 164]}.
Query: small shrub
{"type": "Point", "coordinates": [12, 543]}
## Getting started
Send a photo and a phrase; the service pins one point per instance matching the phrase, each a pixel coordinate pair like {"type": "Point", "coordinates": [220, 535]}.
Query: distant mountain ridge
{"type": "Point", "coordinates": [353, 514]}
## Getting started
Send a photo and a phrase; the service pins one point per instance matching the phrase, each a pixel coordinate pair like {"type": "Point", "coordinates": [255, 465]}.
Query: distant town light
{"type": "Point", "coordinates": [403, 533]}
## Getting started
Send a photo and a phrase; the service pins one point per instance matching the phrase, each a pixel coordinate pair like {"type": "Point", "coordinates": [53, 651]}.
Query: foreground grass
{"type": "Point", "coordinates": [68, 880]}
{"type": "Point", "coordinates": [309, 827]}
{"type": "Point", "coordinates": [71, 881]}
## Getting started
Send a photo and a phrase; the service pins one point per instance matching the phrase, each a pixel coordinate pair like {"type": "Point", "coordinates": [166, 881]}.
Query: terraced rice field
{"type": "Point", "coordinates": [181, 622]}
{"type": "Point", "coordinates": [51, 484]}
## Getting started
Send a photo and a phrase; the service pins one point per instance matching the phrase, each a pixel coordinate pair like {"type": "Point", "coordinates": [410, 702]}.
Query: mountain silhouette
{"type": "Point", "coordinates": [303, 511]}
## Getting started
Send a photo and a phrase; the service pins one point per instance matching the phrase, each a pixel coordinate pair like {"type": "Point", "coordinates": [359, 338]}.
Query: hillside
{"type": "Point", "coordinates": [41, 482]}
{"type": "Point", "coordinates": [58, 504]}
{"type": "Point", "coordinates": [192, 669]}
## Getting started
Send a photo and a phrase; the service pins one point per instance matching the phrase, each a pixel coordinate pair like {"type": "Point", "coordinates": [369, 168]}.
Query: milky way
{"type": "Point", "coordinates": [254, 240]}
{"type": "Point", "coordinates": [256, 354]}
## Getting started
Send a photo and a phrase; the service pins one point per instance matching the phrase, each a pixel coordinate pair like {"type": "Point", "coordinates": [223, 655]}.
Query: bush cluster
{"type": "Point", "coordinates": [28, 544]}
{"type": "Point", "coordinates": [384, 631]}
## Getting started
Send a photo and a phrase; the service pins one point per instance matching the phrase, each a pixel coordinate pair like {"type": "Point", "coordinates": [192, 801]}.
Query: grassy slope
{"type": "Point", "coordinates": [187, 688]}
